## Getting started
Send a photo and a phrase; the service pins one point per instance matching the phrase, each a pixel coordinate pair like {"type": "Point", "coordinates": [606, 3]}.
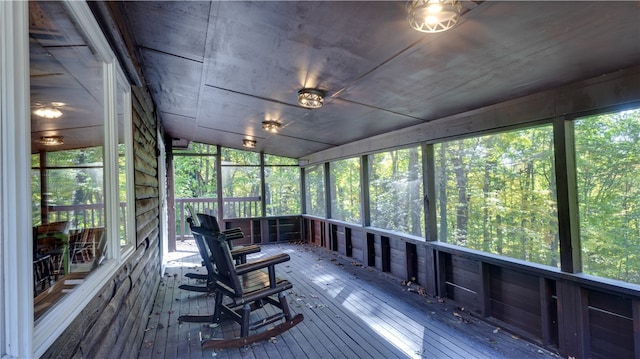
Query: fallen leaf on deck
{"type": "Point", "coordinates": [457, 315]}
{"type": "Point", "coordinates": [515, 336]}
{"type": "Point", "coordinates": [495, 331]}
{"type": "Point", "coordinates": [273, 340]}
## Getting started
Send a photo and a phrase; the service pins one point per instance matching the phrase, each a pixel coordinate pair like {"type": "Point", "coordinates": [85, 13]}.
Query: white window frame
{"type": "Point", "coordinates": [15, 191]}
{"type": "Point", "coordinates": [20, 336]}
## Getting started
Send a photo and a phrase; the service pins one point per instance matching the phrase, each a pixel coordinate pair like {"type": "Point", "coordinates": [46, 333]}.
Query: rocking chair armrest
{"type": "Point", "coordinates": [243, 251]}
{"type": "Point", "coordinates": [233, 233]}
{"type": "Point", "coordinates": [262, 263]}
{"type": "Point", "coordinates": [231, 230]}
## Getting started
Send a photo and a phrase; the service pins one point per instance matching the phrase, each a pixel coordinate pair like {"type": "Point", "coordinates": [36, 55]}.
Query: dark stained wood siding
{"type": "Point", "coordinates": [113, 323]}
{"type": "Point", "coordinates": [610, 326]}
{"type": "Point", "coordinates": [515, 299]}
{"type": "Point", "coordinates": [462, 281]}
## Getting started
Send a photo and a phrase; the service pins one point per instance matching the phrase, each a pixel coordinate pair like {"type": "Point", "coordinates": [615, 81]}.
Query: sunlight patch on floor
{"type": "Point", "coordinates": [402, 336]}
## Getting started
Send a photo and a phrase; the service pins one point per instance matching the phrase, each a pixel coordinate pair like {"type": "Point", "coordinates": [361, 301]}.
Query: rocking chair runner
{"type": "Point", "coordinates": [241, 289]}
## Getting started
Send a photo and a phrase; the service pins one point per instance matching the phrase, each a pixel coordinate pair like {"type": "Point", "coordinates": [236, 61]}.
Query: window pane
{"type": "Point", "coordinates": [396, 191]}
{"type": "Point", "coordinates": [195, 181]}
{"type": "Point", "coordinates": [608, 163]}
{"type": "Point", "coordinates": [497, 194]}
{"type": "Point", "coordinates": [67, 105]}
{"type": "Point", "coordinates": [270, 160]}
{"type": "Point", "coordinates": [239, 157]}
{"type": "Point", "coordinates": [314, 189]}
{"type": "Point", "coordinates": [282, 190]}
{"type": "Point", "coordinates": [345, 190]}
{"type": "Point", "coordinates": [240, 184]}
{"type": "Point", "coordinates": [195, 147]}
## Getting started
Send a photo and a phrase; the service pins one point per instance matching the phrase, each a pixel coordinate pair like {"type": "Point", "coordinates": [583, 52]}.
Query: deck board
{"type": "Point", "coordinates": [351, 311]}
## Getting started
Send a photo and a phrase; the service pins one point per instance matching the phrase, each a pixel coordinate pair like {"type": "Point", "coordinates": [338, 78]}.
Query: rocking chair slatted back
{"type": "Point", "coordinates": [226, 274]}
{"type": "Point", "coordinates": [204, 251]}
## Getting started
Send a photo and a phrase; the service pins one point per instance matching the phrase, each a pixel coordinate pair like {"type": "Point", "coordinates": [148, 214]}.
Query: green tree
{"type": "Point", "coordinates": [608, 161]}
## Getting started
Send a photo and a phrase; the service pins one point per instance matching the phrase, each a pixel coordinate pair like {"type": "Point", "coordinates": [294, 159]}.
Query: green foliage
{"type": "Point", "coordinates": [497, 194]}
{"type": "Point", "coordinates": [395, 191]}
{"type": "Point", "coordinates": [314, 189]}
{"type": "Point", "coordinates": [608, 163]}
{"type": "Point", "coordinates": [345, 190]}
{"type": "Point", "coordinates": [282, 190]}
{"type": "Point", "coordinates": [195, 172]}
{"type": "Point", "coordinates": [195, 177]}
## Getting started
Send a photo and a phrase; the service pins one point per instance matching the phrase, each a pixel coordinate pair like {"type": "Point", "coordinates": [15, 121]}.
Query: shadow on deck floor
{"type": "Point", "coordinates": [351, 311]}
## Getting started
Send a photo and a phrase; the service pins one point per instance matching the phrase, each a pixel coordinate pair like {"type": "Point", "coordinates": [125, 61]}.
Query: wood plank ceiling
{"type": "Point", "coordinates": [216, 70]}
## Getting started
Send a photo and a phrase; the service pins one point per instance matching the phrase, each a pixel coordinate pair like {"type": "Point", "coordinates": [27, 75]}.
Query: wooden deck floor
{"type": "Point", "coordinates": [350, 311]}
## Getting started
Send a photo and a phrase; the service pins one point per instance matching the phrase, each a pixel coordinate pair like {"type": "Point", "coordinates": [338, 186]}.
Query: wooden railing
{"type": "Point", "coordinates": [92, 215]}
{"type": "Point", "coordinates": [82, 215]}
{"type": "Point", "coordinates": [232, 207]}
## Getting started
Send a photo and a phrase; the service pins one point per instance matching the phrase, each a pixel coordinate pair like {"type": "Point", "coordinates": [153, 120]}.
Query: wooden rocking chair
{"type": "Point", "coordinates": [241, 289]}
{"type": "Point", "coordinates": [239, 254]}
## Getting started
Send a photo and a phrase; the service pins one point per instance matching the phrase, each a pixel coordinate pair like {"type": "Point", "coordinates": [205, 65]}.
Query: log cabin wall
{"type": "Point", "coordinates": [573, 314]}
{"type": "Point", "coordinates": [113, 324]}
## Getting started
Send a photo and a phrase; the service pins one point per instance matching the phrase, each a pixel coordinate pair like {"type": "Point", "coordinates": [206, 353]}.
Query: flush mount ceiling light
{"type": "Point", "coordinates": [48, 112]}
{"type": "Point", "coordinates": [248, 143]}
{"type": "Point", "coordinates": [433, 15]}
{"type": "Point", "coordinates": [271, 126]}
{"type": "Point", "coordinates": [310, 98]}
{"type": "Point", "coordinates": [51, 140]}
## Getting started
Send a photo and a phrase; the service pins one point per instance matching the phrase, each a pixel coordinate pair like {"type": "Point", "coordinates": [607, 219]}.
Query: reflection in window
{"type": "Point", "coordinates": [282, 186]}
{"type": "Point", "coordinates": [497, 194]}
{"type": "Point", "coordinates": [607, 164]}
{"type": "Point", "coordinates": [241, 184]}
{"type": "Point", "coordinates": [67, 123]}
{"type": "Point", "coordinates": [395, 190]}
{"type": "Point", "coordinates": [345, 190]}
{"type": "Point", "coordinates": [314, 189]}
